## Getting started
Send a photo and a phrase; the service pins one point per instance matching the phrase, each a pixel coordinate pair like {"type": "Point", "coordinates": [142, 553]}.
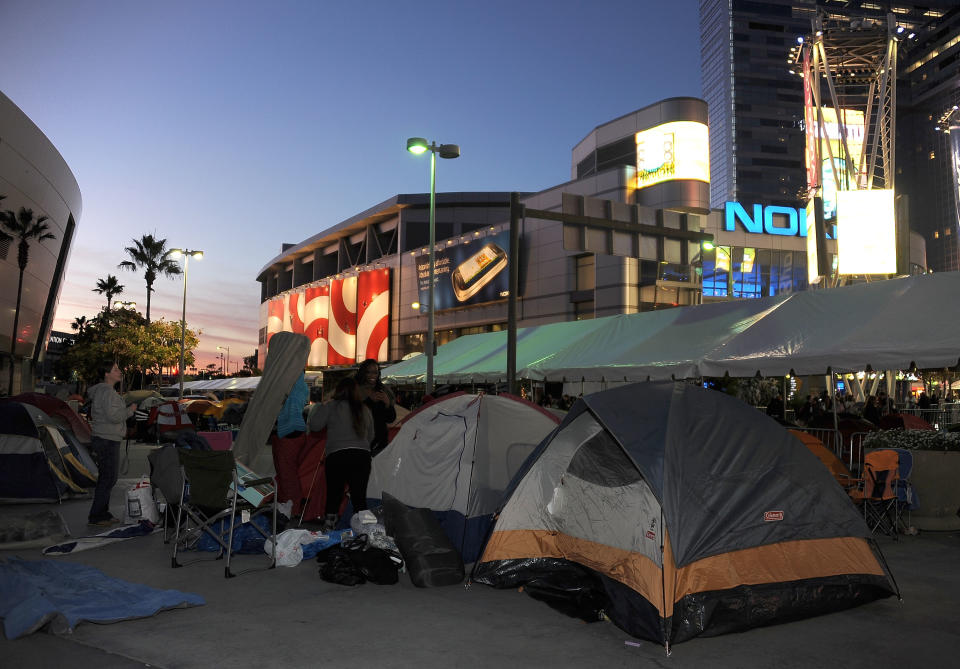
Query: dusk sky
{"type": "Point", "coordinates": [233, 127]}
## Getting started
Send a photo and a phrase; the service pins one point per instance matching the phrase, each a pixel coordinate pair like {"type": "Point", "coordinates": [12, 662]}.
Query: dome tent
{"type": "Point", "coordinates": [456, 456]}
{"type": "Point", "coordinates": [684, 512]}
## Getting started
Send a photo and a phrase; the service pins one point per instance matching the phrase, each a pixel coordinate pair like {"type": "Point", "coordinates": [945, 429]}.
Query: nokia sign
{"type": "Point", "coordinates": [771, 220]}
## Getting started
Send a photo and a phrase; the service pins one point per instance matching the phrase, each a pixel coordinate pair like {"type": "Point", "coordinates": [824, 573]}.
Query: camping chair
{"type": "Point", "coordinates": [167, 477]}
{"type": "Point", "coordinates": [906, 494]}
{"type": "Point", "coordinates": [881, 473]}
{"type": "Point", "coordinates": [214, 489]}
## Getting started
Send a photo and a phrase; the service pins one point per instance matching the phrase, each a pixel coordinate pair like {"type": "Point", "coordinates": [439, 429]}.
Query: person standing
{"type": "Point", "coordinates": [289, 445]}
{"type": "Point", "coordinates": [381, 402]}
{"type": "Point", "coordinates": [350, 430]}
{"type": "Point", "coordinates": [109, 426]}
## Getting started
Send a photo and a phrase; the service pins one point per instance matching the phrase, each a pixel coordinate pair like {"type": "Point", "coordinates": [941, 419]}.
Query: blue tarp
{"type": "Point", "coordinates": [36, 592]}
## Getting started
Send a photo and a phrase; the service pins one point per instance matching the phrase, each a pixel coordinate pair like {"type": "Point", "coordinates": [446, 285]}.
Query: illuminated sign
{"type": "Point", "coordinates": [465, 274]}
{"type": "Point", "coordinates": [831, 144]}
{"type": "Point", "coordinates": [674, 150]}
{"type": "Point", "coordinates": [771, 220]}
{"type": "Point", "coordinates": [868, 240]}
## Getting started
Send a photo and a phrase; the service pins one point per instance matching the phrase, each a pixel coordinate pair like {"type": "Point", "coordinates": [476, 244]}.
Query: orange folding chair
{"type": "Point", "coordinates": [878, 495]}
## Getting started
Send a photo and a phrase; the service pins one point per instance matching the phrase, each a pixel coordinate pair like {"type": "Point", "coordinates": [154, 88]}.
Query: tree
{"type": "Point", "coordinates": [150, 255]}
{"type": "Point", "coordinates": [138, 346]}
{"type": "Point", "coordinates": [110, 287]}
{"type": "Point", "coordinates": [79, 324]}
{"type": "Point", "coordinates": [24, 227]}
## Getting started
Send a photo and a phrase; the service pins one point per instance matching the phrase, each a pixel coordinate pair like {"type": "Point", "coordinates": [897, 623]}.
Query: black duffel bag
{"type": "Point", "coordinates": [355, 561]}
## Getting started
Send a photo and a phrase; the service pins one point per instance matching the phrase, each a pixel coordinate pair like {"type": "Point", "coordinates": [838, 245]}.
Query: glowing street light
{"type": "Point", "coordinates": [418, 146]}
{"type": "Point", "coordinates": [186, 253]}
{"type": "Point", "coordinates": [123, 305]}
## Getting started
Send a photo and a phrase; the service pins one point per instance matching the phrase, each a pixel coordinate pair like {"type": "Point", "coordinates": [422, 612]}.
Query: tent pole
{"type": "Point", "coordinates": [831, 393]}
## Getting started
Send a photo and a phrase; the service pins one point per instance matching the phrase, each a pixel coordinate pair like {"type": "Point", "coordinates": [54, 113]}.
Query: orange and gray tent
{"type": "Point", "coordinates": [685, 512]}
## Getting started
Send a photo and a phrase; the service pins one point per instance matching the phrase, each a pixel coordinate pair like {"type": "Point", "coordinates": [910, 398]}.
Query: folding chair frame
{"type": "Point", "coordinates": [192, 522]}
{"type": "Point", "coordinates": [881, 508]}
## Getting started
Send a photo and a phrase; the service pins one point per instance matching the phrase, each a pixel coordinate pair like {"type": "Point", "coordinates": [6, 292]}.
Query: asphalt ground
{"type": "Point", "coordinates": [289, 617]}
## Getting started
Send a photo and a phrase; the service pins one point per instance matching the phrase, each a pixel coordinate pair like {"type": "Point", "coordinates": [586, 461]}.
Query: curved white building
{"type": "Point", "coordinates": [34, 175]}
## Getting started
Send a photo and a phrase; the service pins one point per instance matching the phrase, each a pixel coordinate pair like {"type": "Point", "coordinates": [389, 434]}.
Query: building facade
{"type": "Point", "coordinates": [928, 137]}
{"type": "Point", "coordinates": [631, 231]}
{"type": "Point", "coordinates": [33, 175]}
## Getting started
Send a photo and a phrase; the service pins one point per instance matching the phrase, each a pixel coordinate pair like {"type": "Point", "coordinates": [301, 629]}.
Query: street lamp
{"type": "Point", "coordinates": [125, 305]}
{"type": "Point", "coordinates": [220, 355]}
{"type": "Point", "coordinates": [417, 146]}
{"type": "Point", "coordinates": [186, 253]}
{"type": "Point", "coordinates": [227, 349]}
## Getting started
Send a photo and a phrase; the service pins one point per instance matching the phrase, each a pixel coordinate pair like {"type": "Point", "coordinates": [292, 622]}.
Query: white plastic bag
{"type": "Point", "coordinates": [364, 522]}
{"type": "Point", "coordinates": [140, 504]}
{"type": "Point", "coordinates": [290, 546]}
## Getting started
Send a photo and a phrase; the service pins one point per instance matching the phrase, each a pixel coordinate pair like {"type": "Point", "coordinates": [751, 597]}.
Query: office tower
{"type": "Point", "coordinates": [755, 103]}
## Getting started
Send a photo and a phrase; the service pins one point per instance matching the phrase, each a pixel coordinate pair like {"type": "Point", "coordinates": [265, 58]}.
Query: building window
{"type": "Point", "coordinates": [586, 275]}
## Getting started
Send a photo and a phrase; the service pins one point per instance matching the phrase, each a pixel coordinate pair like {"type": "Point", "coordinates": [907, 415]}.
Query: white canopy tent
{"type": "Point", "coordinates": [895, 324]}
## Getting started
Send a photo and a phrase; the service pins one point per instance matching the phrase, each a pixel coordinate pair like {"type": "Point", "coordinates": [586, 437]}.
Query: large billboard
{"type": "Point", "coordinates": [470, 273]}
{"type": "Point", "coordinates": [866, 232]}
{"type": "Point", "coordinates": [344, 319]}
{"type": "Point", "coordinates": [955, 172]}
{"type": "Point", "coordinates": [831, 144]}
{"type": "Point", "coordinates": [674, 150]}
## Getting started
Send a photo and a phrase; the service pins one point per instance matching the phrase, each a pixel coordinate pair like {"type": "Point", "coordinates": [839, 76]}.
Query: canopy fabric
{"type": "Point", "coordinates": [482, 358]}
{"type": "Point", "coordinates": [894, 324]}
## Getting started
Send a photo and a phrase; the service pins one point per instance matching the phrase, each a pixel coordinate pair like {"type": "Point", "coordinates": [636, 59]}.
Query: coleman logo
{"type": "Point", "coordinates": [771, 516]}
{"type": "Point", "coordinates": [651, 535]}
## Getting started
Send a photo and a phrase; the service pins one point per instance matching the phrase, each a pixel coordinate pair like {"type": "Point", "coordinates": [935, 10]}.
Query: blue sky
{"type": "Point", "coordinates": [233, 127]}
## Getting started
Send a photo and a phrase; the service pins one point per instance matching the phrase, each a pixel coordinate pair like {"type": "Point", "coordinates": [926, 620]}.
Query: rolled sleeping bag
{"type": "Point", "coordinates": [430, 557]}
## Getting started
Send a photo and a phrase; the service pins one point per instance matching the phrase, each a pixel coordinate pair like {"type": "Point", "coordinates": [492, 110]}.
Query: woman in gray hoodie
{"type": "Point", "coordinates": [349, 426]}
{"type": "Point", "coordinates": [109, 425]}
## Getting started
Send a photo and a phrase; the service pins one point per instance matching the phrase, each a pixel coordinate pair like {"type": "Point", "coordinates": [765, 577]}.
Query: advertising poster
{"type": "Point", "coordinates": [316, 311]}
{"type": "Point", "coordinates": [342, 340]}
{"type": "Point", "coordinates": [853, 125]}
{"type": "Point", "coordinates": [674, 150]}
{"type": "Point", "coordinates": [373, 315]}
{"type": "Point", "coordinates": [955, 167]}
{"type": "Point", "coordinates": [810, 126]}
{"type": "Point", "coordinates": [466, 274]}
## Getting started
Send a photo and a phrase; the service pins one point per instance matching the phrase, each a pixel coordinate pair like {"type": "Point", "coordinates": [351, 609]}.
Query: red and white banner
{"type": "Point", "coordinates": [315, 317]}
{"type": "Point", "coordinates": [342, 340]}
{"type": "Point", "coordinates": [373, 315]}
{"type": "Point", "coordinates": [346, 320]}
{"type": "Point", "coordinates": [274, 317]}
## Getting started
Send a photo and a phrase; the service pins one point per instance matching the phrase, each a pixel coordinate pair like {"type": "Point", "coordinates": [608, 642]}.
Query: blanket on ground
{"type": "Point", "coordinates": [78, 544]}
{"type": "Point", "coordinates": [34, 593]}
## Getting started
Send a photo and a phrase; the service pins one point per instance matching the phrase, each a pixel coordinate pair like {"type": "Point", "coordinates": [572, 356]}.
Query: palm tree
{"type": "Point", "coordinates": [109, 287]}
{"type": "Point", "coordinates": [79, 324]}
{"type": "Point", "coordinates": [150, 255]}
{"type": "Point", "coordinates": [25, 227]}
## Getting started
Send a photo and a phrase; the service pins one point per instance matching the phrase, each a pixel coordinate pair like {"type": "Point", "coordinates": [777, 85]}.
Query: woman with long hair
{"type": "Point", "coordinates": [379, 400]}
{"type": "Point", "coordinates": [349, 426]}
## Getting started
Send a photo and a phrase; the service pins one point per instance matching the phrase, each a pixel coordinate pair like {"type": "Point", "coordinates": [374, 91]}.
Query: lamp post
{"type": "Point", "coordinates": [220, 355]}
{"type": "Point", "coordinates": [417, 146]}
{"type": "Point", "coordinates": [124, 305]}
{"type": "Point", "coordinates": [186, 253]}
{"type": "Point", "coordinates": [227, 349]}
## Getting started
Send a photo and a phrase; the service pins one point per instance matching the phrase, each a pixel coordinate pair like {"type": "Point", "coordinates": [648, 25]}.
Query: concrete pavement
{"type": "Point", "coordinates": [289, 617]}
